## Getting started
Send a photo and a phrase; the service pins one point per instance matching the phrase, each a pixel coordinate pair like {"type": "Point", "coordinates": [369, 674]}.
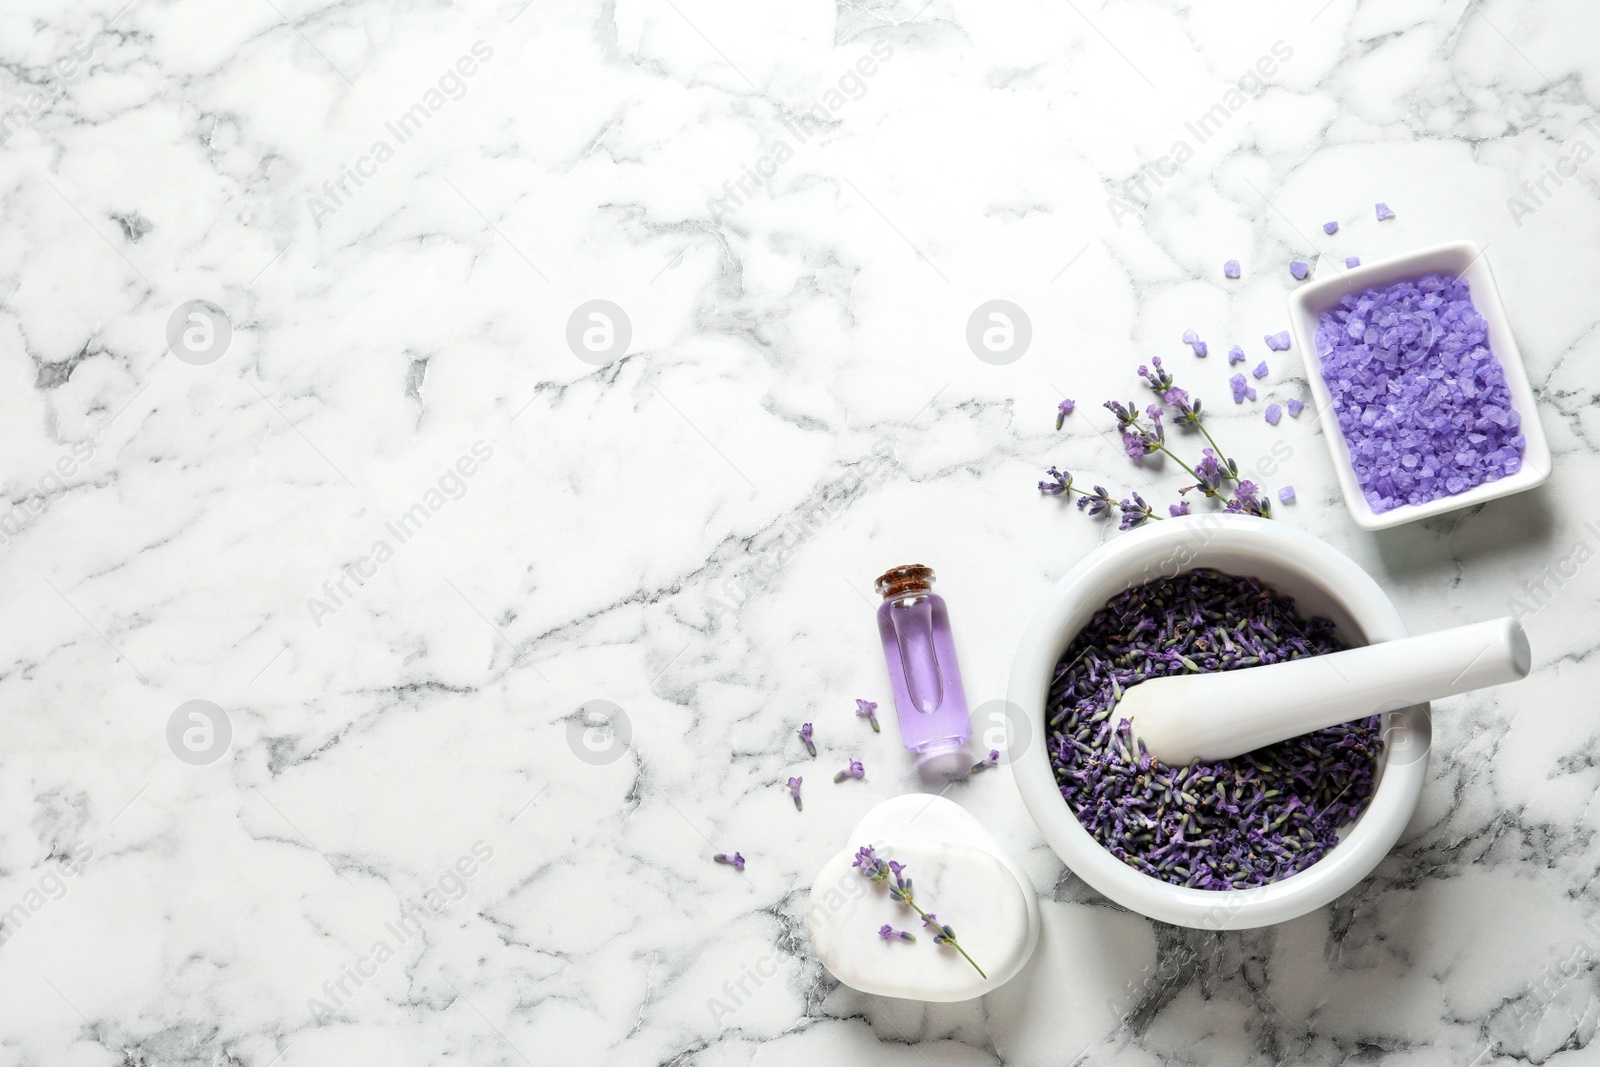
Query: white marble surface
{"type": "Point", "coordinates": [689, 532]}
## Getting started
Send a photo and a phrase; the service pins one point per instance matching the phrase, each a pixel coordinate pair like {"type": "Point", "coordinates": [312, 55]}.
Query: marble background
{"type": "Point", "coordinates": [397, 745]}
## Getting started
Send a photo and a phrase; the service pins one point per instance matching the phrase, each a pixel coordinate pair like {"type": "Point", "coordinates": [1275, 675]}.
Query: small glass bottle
{"type": "Point", "coordinates": [929, 700]}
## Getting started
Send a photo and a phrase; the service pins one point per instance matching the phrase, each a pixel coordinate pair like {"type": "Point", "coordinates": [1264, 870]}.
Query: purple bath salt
{"type": "Point", "coordinates": [1278, 342]}
{"type": "Point", "coordinates": [1299, 270]}
{"type": "Point", "coordinates": [1261, 369]}
{"type": "Point", "coordinates": [1235, 354]}
{"type": "Point", "coordinates": [1330, 228]}
{"type": "Point", "coordinates": [1250, 392]}
{"type": "Point", "coordinates": [1190, 337]}
{"type": "Point", "coordinates": [1295, 407]}
{"type": "Point", "coordinates": [1232, 824]}
{"type": "Point", "coordinates": [1383, 211]}
{"type": "Point", "coordinates": [1352, 261]}
{"type": "Point", "coordinates": [1273, 413]}
{"type": "Point", "coordinates": [1238, 385]}
{"type": "Point", "coordinates": [1286, 495]}
{"type": "Point", "coordinates": [1199, 349]}
{"type": "Point", "coordinates": [1421, 400]}
{"type": "Point", "coordinates": [1230, 269]}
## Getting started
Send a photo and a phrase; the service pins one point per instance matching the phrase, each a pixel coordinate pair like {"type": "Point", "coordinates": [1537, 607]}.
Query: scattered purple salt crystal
{"type": "Point", "coordinates": [1299, 270]}
{"type": "Point", "coordinates": [888, 932]}
{"type": "Point", "coordinates": [794, 791]}
{"type": "Point", "coordinates": [1199, 349]}
{"type": "Point", "coordinates": [805, 737]}
{"type": "Point", "coordinates": [1190, 337]}
{"type": "Point", "coordinates": [1295, 407]}
{"type": "Point", "coordinates": [1235, 355]}
{"type": "Point", "coordinates": [1421, 400]}
{"type": "Point", "coordinates": [1179, 509]}
{"type": "Point", "coordinates": [1249, 392]}
{"type": "Point", "coordinates": [1352, 261]}
{"type": "Point", "coordinates": [854, 770]}
{"type": "Point", "coordinates": [1330, 228]}
{"type": "Point", "coordinates": [991, 760]}
{"type": "Point", "coordinates": [1237, 383]}
{"type": "Point", "coordinates": [1273, 413]}
{"type": "Point", "coordinates": [1286, 495]}
{"type": "Point", "coordinates": [1278, 342]}
{"type": "Point", "coordinates": [1230, 269]}
{"type": "Point", "coordinates": [868, 710]}
{"type": "Point", "coordinates": [1064, 409]}
{"type": "Point", "coordinates": [1261, 369]}
{"type": "Point", "coordinates": [735, 861]}
{"type": "Point", "coordinates": [1383, 211]}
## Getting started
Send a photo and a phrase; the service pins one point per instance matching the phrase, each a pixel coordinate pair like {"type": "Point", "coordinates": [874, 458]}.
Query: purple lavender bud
{"type": "Point", "coordinates": [1064, 409]}
{"type": "Point", "coordinates": [794, 791]}
{"type": "Point", "coordinates": [854, 770]}
{"type": "Point", "coordinates": [991, 760]}
{"type": "Point", "coordinates": [1179, 509]}
{"type": "Point", "coordinates": [805, 736]}
{"type": "Point", "coordinates": [735, 861]}
{"type": "Point", "coordinates": [888, 932]}
{"type": "Point", "coordinates": [1060, 482]}
{"type": "Point", "coordinates": [869, 710]}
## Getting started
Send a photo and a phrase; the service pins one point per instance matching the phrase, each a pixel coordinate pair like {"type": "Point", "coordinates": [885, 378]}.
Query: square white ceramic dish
{"type": "Point", "coordinates": [1465, 260]}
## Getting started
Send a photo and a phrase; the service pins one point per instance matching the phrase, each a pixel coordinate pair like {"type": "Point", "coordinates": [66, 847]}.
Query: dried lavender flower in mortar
{"type": "Point", "coordinates": [1278, 342]}
{"type": "Point", "coordinates": [805, 737]}
{"type": "Point", "coordinates": [887, 932]}
{"type": "Point", "coordinates": [1383, 211]}
{"type": "Point", "coordinates": [1330, 228]}
{"type": "Point", "coordinates": [1235, 354]}
{"type": "Point", "coordinates": [1230, 269]}
{"type": "Point", "coordinates": [1064, 409]}
{"type": "Point", "coordinates": [1352, 261]}
{"type": "Point", "coordinates": [1237, 823]}
{"type": "Point", "coordinates": [868, 710]}
{"type": "Point", "coordinates": [1295, 406]}
{"type": "Point", "coordinates": [854, 770]}
{"type": "Point", "coordinates": [1299, 270]}
{"type": "Point", "coordinates": [735, 861]}
{"type": "Point", "coordinates": [1273, 414]}
{"type": "Point", "coordinates": [1286, 494]}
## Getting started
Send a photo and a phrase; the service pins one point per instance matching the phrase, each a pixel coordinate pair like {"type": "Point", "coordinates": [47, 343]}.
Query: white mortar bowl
{"type": "Point", "coordinates": [1323, 581]}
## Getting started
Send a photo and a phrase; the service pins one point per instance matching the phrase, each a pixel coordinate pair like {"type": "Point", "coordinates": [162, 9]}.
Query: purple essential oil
{"type": "Point", "coordinates": [1233, 824]}
{"type": "Point", "coordinates": [924, 676]}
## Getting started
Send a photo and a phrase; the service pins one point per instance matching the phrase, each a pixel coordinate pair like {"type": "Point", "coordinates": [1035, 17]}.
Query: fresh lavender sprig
{"type": "Point", "coordinates": [794, 791]}
{"type": "Point", "coordinates": [868, 710]}
{"type": "Point", "coordinates": [900, 890]}
{"type": "Point", "coordinates": [805, 737]}
{"type": "Point", "coordinates": [854, 770]}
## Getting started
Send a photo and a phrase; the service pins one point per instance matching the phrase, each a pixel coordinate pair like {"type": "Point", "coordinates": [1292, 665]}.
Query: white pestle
{"type": "Point", "coordinates": [1218, 716]}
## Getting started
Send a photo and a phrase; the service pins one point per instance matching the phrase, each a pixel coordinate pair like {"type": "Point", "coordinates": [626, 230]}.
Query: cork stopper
{"type": "Point", "coordinates": [899, 581]}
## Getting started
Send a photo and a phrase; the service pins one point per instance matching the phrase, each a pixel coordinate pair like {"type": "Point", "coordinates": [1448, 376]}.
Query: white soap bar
{"type": "Point", "coordinates": [958, 871]}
